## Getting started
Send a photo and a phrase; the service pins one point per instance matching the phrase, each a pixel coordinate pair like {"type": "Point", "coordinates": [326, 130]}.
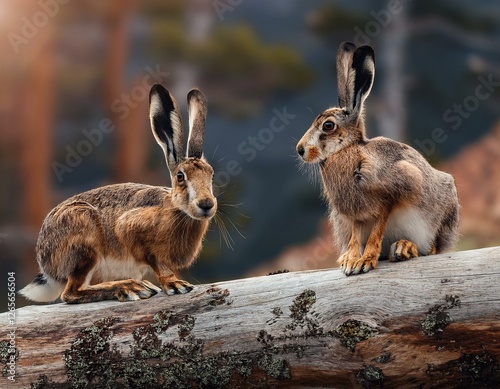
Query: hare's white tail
{"type": "Point", "coordinates": [43, 289]}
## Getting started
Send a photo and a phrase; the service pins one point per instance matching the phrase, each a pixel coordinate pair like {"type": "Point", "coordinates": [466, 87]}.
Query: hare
{"type": "Point", "coordinates": [385, 199]}
{"type": "Point", "coordinates": [97, 245]}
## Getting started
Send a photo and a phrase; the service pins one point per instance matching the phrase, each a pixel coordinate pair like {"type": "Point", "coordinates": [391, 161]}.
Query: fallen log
{"type": "Point", "coordinates": [428, 322]}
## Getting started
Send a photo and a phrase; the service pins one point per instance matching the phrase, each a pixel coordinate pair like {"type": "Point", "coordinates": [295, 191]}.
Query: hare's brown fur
{"type": "Point", "coordinates": [384, 197]}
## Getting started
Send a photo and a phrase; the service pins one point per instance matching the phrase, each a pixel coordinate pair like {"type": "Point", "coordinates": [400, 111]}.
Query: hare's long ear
{"type": "Point", "coordinates": [197, 109]}
{"type": "Point", "coordinates": [363, 64]}
{"type": "Point", "coordinates": [345, 74]}
{"type": "Point", "coordinates": [166, 124]}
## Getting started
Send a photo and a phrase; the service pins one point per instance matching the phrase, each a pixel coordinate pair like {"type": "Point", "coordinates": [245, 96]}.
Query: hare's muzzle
{"type": "Point", "coordinates": [207, 207]}
{"type": "Point", "coordinates": [308, 153]}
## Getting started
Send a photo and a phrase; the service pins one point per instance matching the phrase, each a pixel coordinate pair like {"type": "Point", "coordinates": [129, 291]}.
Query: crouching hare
{"type": "Point", "coordinates": [385, 199]}
{"type": "Point", "coordinates": [98, 245]}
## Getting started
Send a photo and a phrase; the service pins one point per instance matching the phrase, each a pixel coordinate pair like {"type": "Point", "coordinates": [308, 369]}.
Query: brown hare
{"type": "Point", "coordinates": [385, 199]}
{"type": "Point", "coordinates": [98, 245]}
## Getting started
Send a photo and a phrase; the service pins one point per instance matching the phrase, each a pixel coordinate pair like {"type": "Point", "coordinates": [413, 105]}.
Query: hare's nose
{"type": "Point", "coordinates": [206, 204]}
{"type": "Point", "coordinates": [300, 150]}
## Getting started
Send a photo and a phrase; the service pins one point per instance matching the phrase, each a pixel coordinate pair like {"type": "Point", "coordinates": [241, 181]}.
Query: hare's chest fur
{"type": "Point", "coordinates": [345, 181]}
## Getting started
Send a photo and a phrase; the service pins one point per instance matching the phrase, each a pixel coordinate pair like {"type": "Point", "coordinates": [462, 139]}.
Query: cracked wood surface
{"type": "Point", "coordinates": [428, 322]}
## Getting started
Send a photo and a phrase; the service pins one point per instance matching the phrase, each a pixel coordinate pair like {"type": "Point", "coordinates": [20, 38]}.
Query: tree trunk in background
{"type": "Point", "coordinates": [129, 113]}
{"type": "Point", "coordinates": [36, 121]}
{"type": "Point", "coordinates": [391, 115]}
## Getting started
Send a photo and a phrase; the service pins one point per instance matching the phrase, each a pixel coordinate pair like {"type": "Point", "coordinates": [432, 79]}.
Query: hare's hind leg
{"type": "Point", "coordinates": [78, 289]}
{"type": "Point", "coordinates": [124, 290]}
{"type": "Point", "coordinates": [403, 250]}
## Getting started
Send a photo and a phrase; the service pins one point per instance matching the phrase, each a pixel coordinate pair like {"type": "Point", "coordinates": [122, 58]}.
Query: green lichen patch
{"type": "Point", "coordinates": [94, 360]}
{"type": "Point", "coordinates": [302, 315]}
{"type": "Point", "coordinates": [281, 344]}
{"type": "Point", "coordinates": [41, 383]}
{"type": "Point", "coordinates": [470, 370]}
{"type": "Point", "coordinates": [8, 356]}
{"type": "Point", "coordinates": [90, 359]}
{"type": "Point", "coordinates": [186, 326]}
{"type": "Point", "coordinates": [278, 272]}
{"type": "Point", "coordinates": [162, 320]}
{"type": "Point", "coordinates": [384, 358]}
{"type": "Point", "coordinates": [218, 296]}
{"type": "Point", "coordinates": [370, 377]}
{"type": "Point", "coordinates": [188, 367]}
{"type": "Point", "coordinates": [266, 339]}
{"type": "Point", "coordinates": [275, 367]}
{"type": "Point", "coordinates": [437, 318]}
{"type": "Point", "coordinates": [481, 369]}
{"type": "Point", "coordinates": [4, 356]}
{"type": "Point", "coordinates": [277, 311]}
{"type": "Point", "coordinates": [435, 321]}
{"type": "Point", "coordinates": [302, 304]}
{"type": "Point", "coordinates": [351, 332]}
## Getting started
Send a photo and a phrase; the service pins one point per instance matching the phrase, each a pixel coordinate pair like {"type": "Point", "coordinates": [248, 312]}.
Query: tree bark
{"type": "Point", "coordinates": [428, 322]}
{"type": "Point", "coordinates": [126, 104]}
{"type": "Point", "coordinates": [36, 123]}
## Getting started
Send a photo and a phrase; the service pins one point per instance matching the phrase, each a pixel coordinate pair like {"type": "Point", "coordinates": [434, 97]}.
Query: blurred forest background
{"type": "Point", "coordinates": [75, 76]}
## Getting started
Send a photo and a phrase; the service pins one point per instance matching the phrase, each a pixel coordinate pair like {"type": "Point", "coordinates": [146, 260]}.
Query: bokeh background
{"type": "Point", "coordinates": [75, 76]}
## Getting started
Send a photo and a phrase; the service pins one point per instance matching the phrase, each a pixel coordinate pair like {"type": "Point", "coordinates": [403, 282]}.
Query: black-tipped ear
{"type": "Point", "coordinates": [363, 63]}
{"type": "Point", "coordinates": [166, 124]}
{"type": "Point", "coordinates": [197, 109]}
{"type": "Point", "coordinates": [344, 74]}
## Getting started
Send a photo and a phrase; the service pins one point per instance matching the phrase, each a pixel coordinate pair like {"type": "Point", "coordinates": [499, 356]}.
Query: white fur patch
{"type": "Point", "coordinates": [111, 269]}
{"type": "Point", "coordinates": [47, 292]}
{"type": "Point", "coordinates": [155, 107]}
{"type": "Point", "coordinates": [193, 114]}
{"type": "Point", "coordinates": [191, 191]}
{"type": "Point", "coordinates": [409, 223]}
{"type": "Point", "coordinates": [314, 138]}
{"type": "Point", "coordinates": [404, 223]}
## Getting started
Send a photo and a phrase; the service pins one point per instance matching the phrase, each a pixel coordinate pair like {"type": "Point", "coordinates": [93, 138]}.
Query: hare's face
{"type": "Point", "coordinates": [327, 135]}
{"type": "Point", "coordinates": [192, 188]}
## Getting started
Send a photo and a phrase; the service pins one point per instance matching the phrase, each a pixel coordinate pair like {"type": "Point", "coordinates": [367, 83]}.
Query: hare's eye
{"type": "Point", "coordinates": [180, 177]}
{"type": "Point", "coordinates": [329, 126]}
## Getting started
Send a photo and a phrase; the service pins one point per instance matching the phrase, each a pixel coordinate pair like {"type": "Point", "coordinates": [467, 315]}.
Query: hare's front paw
{"type": "Point", "coordinates": [177, 287]}
{"type": "Point", "coordinates": [403, 250]}
{"type": "Point", "coordinates": [360, 265]}
{"type": "Point", "coordinates": [347, 257]}
{"type": "Point", "coordinates": [136, 290]}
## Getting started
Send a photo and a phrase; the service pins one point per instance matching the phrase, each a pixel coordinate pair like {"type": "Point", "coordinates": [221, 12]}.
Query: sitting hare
{"type": "Point", "coordinates": [98, 245]}
{"type": "Point", "coordinates": [385, 199]}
